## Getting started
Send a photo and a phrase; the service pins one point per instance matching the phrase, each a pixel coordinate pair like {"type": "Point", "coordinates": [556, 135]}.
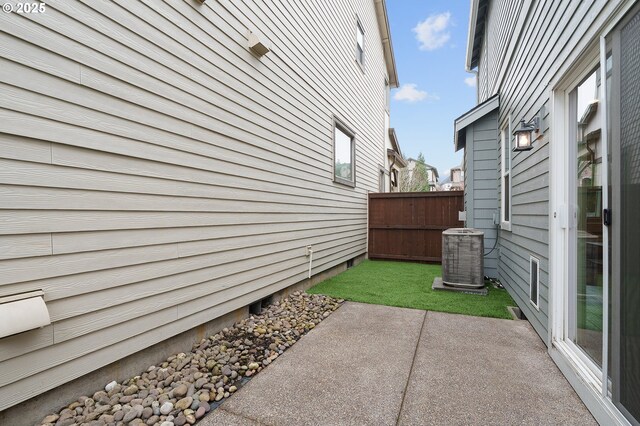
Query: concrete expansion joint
{"type": "Point", "coordinates": [259, 422]}
{"type": "Point", "coordinates": [413, 361]}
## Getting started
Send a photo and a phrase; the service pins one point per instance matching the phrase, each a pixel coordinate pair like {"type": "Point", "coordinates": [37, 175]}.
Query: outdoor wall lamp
{"type": "Point", "coordinates": [524, 134]}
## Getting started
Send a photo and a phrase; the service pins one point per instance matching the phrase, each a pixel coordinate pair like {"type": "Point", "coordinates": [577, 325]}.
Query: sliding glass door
{"type": "Point", "coordinates": [602, 311]}
{"type": "Point", "coordinates": [624, 124]}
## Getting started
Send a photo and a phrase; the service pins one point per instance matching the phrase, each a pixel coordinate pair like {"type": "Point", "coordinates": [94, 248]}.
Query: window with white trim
{"type": "Point", "coordinates": [505, 220]}
{"type": "Point", "coordinates": [360, 43]}
{"type": "Point", "coordinates": [534, 281]}
{"type": "Point", "coordinates": [344, 153]}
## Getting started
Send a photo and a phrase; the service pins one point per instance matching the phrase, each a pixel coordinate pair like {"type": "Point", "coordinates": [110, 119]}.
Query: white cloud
{"type": "Point", "coordinates": [470, 81]}
{"type": "Point", "coordinates": [409, 92]}
{"type": "Point", "coordinates": [432, 32]}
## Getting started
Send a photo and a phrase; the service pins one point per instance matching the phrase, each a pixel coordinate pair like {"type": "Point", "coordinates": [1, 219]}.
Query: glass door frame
{"type": "Point", "coordinates": [563, 217]}
{"type": "Point", "coordinates": [590, 61]}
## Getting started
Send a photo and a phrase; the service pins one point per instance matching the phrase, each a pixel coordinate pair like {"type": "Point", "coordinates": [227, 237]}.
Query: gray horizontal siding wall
{"type": "Point", "coordinates": [500, 29]}
{"type": "Point", "coordinates": [481, 184]}
{"type": "Point", "coordinates": [538, 54]}
{"type": "Point", "coordinates": [483, 72]}
{"type": "Point", "coordinates": [155, 175]}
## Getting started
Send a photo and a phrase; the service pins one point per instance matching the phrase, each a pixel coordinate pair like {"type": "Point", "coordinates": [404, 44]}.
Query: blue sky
{"type": "Point", "coordinates": [429, 41]}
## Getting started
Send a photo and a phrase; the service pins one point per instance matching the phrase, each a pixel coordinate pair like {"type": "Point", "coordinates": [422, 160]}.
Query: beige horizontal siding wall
{"type": "Point", "coordinates": [155, 175]}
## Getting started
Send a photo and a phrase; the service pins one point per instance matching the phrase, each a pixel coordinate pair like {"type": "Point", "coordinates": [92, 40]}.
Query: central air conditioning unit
{"type": "Point", "coordinates": [462, 258]}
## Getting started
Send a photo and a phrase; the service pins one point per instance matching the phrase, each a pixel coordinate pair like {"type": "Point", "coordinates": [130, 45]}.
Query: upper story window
{"type": "Point", "coordinates": [359, 43]}
{"type": "Point", "coordinates": [344, 150]}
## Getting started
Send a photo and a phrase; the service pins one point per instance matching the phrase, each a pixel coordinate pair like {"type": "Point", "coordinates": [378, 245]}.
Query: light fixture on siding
{"type": "Point", "coordinates": [524, 134]}
{"type": "Point", "coordinates": [257, 45]}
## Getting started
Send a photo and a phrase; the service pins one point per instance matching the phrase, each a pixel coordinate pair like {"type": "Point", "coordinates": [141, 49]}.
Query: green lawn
{"type": "Point", "coordinates": [408, 285]}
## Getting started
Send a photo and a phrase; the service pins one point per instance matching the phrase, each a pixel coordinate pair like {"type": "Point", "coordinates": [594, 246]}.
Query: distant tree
{"type": "Point", "coordinates": [416, 180]}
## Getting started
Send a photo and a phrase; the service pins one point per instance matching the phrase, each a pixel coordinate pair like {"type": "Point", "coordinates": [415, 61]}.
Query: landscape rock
{"type": "Point", "coordinates": [226, 370]}
{"type": "Point", "coordinates": [147, 412]}
{"type": "Point", "coordinates": [184, 403]}
{"type": "Point", "coordinates": [178, 391]}
{"type": "Point", "coordinates": [166, 408]}
{"type": "Point", "coordinates": [130, 390]}
{"type": "Point", "coordinates": [131, 414]}
{"type": "Point", "coordinates": [100, 409]}
{"type": "Point", "coordinates": [109, 387]}
{"type": "Point", "coordinates": [200, 412]}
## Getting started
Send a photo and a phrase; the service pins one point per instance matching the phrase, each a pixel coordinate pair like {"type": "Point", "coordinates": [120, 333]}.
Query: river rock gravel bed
{"type": "Point", "coordinates": [186, 386]}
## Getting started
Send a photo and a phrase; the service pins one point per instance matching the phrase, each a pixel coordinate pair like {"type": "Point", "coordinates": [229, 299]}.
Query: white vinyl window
{"type": "Point", "coordinates": [344, 153]}
{"type": "Point", "coordinates": [534, 282]}
{"type": "Point", "coordinates": [359, 43]}
{"type": "Point", "coordinates": [506, 184]}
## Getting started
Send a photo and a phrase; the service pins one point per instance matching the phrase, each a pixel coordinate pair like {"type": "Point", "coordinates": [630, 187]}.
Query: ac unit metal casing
{"type": "Point", "coordinates": [462, 257]}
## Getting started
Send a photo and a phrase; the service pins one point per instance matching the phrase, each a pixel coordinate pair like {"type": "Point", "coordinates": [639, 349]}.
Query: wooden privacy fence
{"type": "Point", "coordinates": [409, 225]}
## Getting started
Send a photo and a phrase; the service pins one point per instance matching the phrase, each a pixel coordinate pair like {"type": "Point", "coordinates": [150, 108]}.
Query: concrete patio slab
{"type": "Point", "coordinates": [221, 417]}
{"type": "Point", "coordinates": [486, 371]}
{"type": "Point", "coordinates": [351, 370]}
{"type": "Point", "coordinates": [378, 365]}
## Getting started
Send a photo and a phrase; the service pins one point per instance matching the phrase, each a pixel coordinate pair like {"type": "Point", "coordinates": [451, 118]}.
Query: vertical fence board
{"type": "Point", "coordinates": [409, 225]}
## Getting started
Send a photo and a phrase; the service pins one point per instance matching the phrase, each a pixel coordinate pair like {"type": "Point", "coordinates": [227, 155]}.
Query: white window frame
{"type": "Point", "coordinates": [535, 304]}
{"type": "Point", "coordinates": [339, 124]}
{"type": "Point", "coordinates": [360, 58]}
{"type": "Point", "coordinates": [505, 144]}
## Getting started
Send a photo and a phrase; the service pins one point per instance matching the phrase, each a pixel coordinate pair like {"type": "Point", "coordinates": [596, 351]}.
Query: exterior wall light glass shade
{"type": "Point", "coordinates": [523, 140]}
{"type": "Point", "coordinates": [524, 135]}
